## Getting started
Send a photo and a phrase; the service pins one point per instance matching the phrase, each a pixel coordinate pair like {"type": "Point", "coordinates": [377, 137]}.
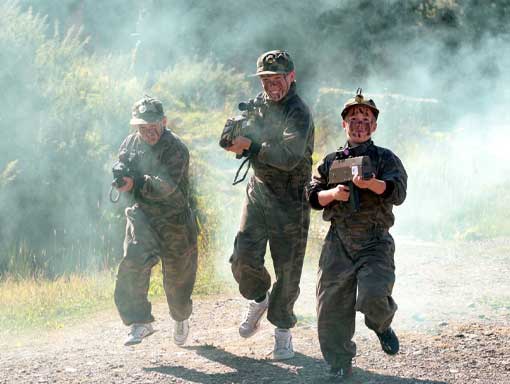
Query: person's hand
{"type": "Point", "coordinates": [363, 184]}
{"type": "Point", "coordinates": [375, 185]}
{"type": "Point", "coordinates": [128, 186]}
{"type": "Point", "coordinates": [239, 144]}
{"type": "Point", "coordinates": [340, 193]}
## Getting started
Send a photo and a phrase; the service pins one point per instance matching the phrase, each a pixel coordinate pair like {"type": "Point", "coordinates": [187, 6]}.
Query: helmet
{"type": "Point", "coordinates": [359, 100]}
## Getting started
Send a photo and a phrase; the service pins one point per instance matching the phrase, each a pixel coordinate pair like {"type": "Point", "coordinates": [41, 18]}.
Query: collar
{"type": "Point", "coordinates": [353, 151]}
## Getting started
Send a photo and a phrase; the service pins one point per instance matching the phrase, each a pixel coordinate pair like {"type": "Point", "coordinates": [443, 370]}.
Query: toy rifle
{"type": "Point", "coordinates": [342, 171]}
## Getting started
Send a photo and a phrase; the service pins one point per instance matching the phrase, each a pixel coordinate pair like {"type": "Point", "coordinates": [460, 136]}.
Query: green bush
{"type": "Point", "coordinates": [66, 110]}
{"type": "Point", "coordinates": [66, 123]}
{"type": "Point", "coordinates": [193, 84]}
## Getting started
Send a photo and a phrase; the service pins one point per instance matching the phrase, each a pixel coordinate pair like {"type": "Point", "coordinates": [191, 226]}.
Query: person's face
{"type": "Point", "coordinates": [151, 132]}
{"type": "Point", "coordinates": [359, 124]}
{"type": "Point", "coordinates": [277, 86]}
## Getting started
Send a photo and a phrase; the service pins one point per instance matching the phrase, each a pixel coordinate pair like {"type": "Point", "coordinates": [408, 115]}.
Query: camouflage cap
{"type": "Point", "coordinates": [359, 100]}
{"type": "Point", "coordinates": [146, 110]}
{"type": "Point", "coordinates": [273, 63]}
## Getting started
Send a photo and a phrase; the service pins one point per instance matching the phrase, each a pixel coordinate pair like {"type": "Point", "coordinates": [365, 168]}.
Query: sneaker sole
{"type": "Point", "coordinates": [256, 329]}
{"type": "Point", "coordinates": [283, 357]}
{"type": "Point", "coordinates": [390, 352]}
{"type": "Point", "coordinates": [127, 344]}
{"type": "Point", "coordinates": [180, 343]}
{"type": "Point", "coordinates": [247, 336]}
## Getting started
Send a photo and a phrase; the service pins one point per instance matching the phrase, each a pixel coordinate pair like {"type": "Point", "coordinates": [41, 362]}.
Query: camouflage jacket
{"type": "Point", "coordinates": [283, 140]}
{"type": "Point", "coordinates": [375, 210]}
{"type": "Point", "coordinates": [162, 187]}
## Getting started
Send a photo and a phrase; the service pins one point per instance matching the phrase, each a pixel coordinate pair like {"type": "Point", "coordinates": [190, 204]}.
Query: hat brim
{"type": "Point", "coordinates": [138, 121]}
{"type": "Point", "coordinates": [374, 110]}
{"type": "Point", "coordinates": [269, 73]}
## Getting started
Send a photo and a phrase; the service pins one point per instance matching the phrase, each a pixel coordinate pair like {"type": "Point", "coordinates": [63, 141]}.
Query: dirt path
{"type": "Point", "coordinates": [453, 323]}
{"type": "Point", "coordinates": [92, 352]}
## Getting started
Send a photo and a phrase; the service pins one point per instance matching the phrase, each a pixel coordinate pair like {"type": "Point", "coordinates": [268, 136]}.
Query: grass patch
{"type": "Point", "coordinates": [207, 282]}
{"type": "Point", "coordinates": [497, 303]}
{"type": "Point", "coordinates": [306, 320]}
{"type": "Point", "coordinates": [51, 304]}
{"type": "Point", "coordinates": [34, 303]}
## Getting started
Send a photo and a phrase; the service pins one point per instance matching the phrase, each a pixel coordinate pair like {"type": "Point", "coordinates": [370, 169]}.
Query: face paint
{"type": "Point", "coordinates": [276, 87]}
{"type": "Point", "coordinates": [359, 128]}
{"type": "Point", "coordinates": [360, 111]}
{"type": "Point", "coordinates": [359, 125]}
{"type": "Point", "coordinates": [150, 133]}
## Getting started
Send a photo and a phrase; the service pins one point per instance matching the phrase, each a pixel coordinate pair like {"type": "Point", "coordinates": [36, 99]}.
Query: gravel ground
{"type": "Point", "coordinates": [92, 352]}
{"type": "Point", "coordinates": [453, 323]}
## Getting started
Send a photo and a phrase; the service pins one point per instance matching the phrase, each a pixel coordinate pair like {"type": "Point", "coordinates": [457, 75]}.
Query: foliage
{"type": "Point", "coordinates": [65, 105]}
{"type": "Point", "coordinates": [193, 84]}
{"type": "Point", "coordinates": [353, 39]}
{"type": "Point", "coordinates": [65, 128]}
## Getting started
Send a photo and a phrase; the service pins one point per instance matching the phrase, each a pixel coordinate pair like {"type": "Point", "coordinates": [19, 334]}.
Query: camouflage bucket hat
{"type": "Point", "coordinates": [146, 110]}
{"type": "Point", "coordinates": [359, 100]}
{"type": "Point", "coordinates": [273, 63]}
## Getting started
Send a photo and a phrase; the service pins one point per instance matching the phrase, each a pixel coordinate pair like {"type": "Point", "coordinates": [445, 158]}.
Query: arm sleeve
{"type": "Point", "coordinates": [287, 152]}
{"type": "Point", "coordinates": [168, 178]}
{"type": "Point", "coordinates": [123, 156]}
{"type": "Point", "coordinates": [124, 148]}
{"type": "Point", "coordinates": [395, 176]}
{"type": "Point", "coordinates": [318, 183]}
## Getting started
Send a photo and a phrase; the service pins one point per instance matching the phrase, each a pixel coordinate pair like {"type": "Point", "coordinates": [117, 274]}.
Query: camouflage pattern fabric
{"type": "Point", "coordinates": [274, 62]}
{"type": "Point", "coordinates": [160, 225]}
{"type": "Point", "coordinates": [146, 110]}
{"type": "Point", "coordinates": [165, 186]}
{"type": "Point", "coordinates": [275, 208]}
{"type": "Point", "coordinates": [357, 255]}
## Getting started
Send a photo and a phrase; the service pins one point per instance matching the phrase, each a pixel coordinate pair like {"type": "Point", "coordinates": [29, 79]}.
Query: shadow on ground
{"type": "Point", "coordinates": [246, 370]}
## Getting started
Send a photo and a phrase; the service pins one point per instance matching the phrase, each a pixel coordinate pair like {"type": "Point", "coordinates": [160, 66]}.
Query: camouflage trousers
{"type": "Point", "coordinates": [150, 239]}
{"type": "Point", "coordinates": [280, 216]}
{"type": "Point", "coordinates": [353, 259]}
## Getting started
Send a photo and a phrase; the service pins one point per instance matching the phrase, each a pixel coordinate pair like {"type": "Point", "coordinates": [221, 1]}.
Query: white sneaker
{"type": "Point", "coordinates": [282, 344]}
{"type": "Point", "coordinates": [181, 331]}
{"type": "Point", "coordinates": [138, 332]}
{"type": "Point", "coordinates": [251, 322]}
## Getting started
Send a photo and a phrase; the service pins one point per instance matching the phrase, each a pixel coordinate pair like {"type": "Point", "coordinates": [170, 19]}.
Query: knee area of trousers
{"type": "Point", "coordinates": [243, 266]}
{"type": "Point", "coordinates": [142, 264]}
{"type": "Point", "coordinates": [369, 302]}
{"type": "Point", "coordinates": [252, 287]}
{"type": "Point", "coordinates": [137, 255]}
{"type": "Point", "coordinates": [250, 292]}
{"type": "Point", "coordinates": [120, 295]}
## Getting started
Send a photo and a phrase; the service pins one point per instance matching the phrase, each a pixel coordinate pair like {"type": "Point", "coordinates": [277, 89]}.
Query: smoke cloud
{"type": "Point", "coordinates": [436, 69]}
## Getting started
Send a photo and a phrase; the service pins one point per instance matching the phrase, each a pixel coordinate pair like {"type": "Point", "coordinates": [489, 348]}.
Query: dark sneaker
{"type": "Point", "coordinates": [339, 374]}
{"type": "Point", "coordinates": [389, 341]}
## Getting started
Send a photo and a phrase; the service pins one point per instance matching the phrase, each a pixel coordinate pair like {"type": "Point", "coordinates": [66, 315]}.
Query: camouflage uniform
{"type": "Point", "coordinates": [160, 225]}
{"type": "Point", "coordinates": [275, 208]}
{"type": "Point", "coordinates": [357, 254]}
